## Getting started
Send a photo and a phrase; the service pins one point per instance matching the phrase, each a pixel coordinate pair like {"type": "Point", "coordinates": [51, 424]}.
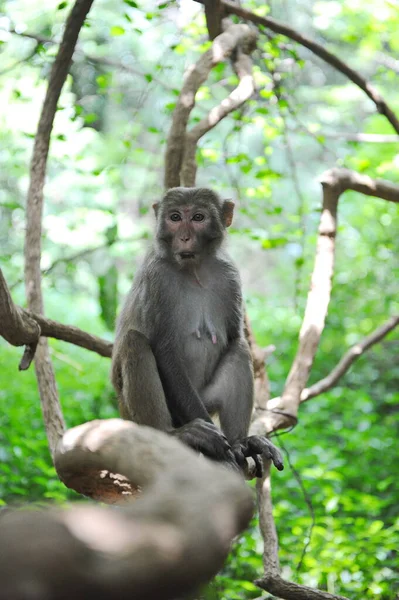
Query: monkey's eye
{"type": "Point", "coordinates": [175, 217]}
{"type": "Point", "coordinates": [198, 217]}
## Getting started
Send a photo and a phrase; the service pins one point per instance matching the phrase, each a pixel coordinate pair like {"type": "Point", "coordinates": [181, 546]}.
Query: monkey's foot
{"type": "Point", "coordinates": [206, 438]}
{"type": "Point", "coordinates": [257, 447]}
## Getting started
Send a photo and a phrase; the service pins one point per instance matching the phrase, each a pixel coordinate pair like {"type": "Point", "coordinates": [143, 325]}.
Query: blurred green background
{"type": "Point", "coordinates": [105, 171]}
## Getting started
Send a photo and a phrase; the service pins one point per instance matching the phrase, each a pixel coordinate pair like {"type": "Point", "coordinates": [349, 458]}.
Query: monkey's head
{"type": "Point", "coordinates": [191, 223]}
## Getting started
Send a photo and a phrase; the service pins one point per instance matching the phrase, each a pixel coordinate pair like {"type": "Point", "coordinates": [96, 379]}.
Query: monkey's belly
{"type": "Point", "coordinates": [201, 356]}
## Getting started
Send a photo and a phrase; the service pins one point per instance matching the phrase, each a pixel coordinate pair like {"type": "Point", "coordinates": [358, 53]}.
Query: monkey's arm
{"type": "Point", "coordinates": [182, 398]}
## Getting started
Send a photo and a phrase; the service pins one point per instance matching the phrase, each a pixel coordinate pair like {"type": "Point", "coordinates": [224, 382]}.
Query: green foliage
{"type": "Point", "coordinates": [104, 173]}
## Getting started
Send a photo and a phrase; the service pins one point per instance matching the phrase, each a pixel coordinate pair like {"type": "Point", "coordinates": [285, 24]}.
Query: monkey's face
{"type": "Point", "coordinates": [191, 224]}
{"type": "Point", "coordinates": [189, 231]}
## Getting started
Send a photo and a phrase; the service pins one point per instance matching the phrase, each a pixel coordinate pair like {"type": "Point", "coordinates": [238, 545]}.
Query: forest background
{"type": "Point", "coordinates": [335, 505]}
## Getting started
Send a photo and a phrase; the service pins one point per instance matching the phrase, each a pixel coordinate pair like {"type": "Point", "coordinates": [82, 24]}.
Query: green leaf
{"type": "Point", "coordinates": [131, 3]}
{"type": "Point", "coordinates": [62, 5]}
{"type": "Point", "coordinates": [104, 80]}
{"type": "Point", "coordinates": [90, 118]}
{"type": "Point", "coordinates": [117, 30]}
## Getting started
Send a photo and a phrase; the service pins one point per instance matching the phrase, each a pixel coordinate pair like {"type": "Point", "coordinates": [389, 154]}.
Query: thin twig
{"type": "Point", "coordinates": [348, 359]}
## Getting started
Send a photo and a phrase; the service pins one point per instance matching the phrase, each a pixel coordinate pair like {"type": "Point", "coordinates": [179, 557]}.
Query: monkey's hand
{"type": "Point", "coordinates": [206, 438]}
{"type": "Point", "coordinates": [257, 447]}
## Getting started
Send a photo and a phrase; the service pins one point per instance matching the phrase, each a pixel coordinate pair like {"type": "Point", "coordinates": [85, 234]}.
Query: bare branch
{"type": "Point", "coordinates": [280, 588]}
{"type": "Point", "coordinates": [282, 411]}
{"type": "Point", "coordinates": [52, 412]}
{"type": "Point", "coordinates": [242, 93]}
{"type": "Point", "coordinates": [387, 61]}
{"type": "Point", "coordinates": [137, 551]}
{"type": "Point", "coordinates": [15, 327]}
{"type": "Point", "coordinates": [197, 74]}
{"type": "Point", "coordinates": [344, 179]}
{"type": "Point", "coordinates": [267, 525]}
{"type": "Point", "coordinates": [320, 51]}
{"type": "Point", "coordinates": [213, 15]}
{"type": "Point", "coordinates": [21, 327]}
{"type": "Point", "coordinates": [73, 335]}
{"type": "Point", "coordinates": [316, 307]}
{"type": "Point", "coordinates": [348, 359]}
{"type": "Point", "coordinates": [366, 138]}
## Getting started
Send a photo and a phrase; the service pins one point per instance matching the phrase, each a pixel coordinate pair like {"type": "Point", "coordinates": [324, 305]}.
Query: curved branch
{"type": "Point", "coordinates": [52, 412]}
{"type": "Point", "coordinates": [242, 93]}
{"type": "Point", "coordinates": [345, 179]}
{"type": "Point", "coordinates": [16, 327]}
{"type": "Point", "coordinates": [21, 327]}
{"type": "Point", "coordinates": [197, 74]}
{"type": "Point", "coordinates": [282, 411]}
{"type": "Point", "coordinates": [280, 588]}
{"type": "Point", "coordinates": [320, 51]}
{"type": "Point", "coordinates": [72, 335]}
{"type": "Point", "coordinates": [348, 359]}
{"type": "Point", "coordinates": [164, 545]}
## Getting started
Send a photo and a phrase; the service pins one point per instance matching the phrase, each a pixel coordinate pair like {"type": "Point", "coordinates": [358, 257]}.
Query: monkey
{"type": "Point", "coordinates": [180, 358]}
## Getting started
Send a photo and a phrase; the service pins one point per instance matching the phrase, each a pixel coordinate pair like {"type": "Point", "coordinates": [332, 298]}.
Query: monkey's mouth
{"type": "Point", "coordinates": [187, 255]}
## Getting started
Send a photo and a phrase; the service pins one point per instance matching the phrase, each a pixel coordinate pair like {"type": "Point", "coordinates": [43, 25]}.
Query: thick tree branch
{"type": "Point", "coordinates": [16, 327]}
{"type": "Point", "coordinates": [320, 51]}
{"type": "Point", "coordinates": [282, 411]}
{"type": "Point", "coordinates": [197, 74]}
{"type": "Point", "coordinates": [344, 179]}
{"type": "Point", "coordinates": [21, 327]}
{"type": "Point", "coordinates": [317, 303]}
{"type": "Point", "coordinates": [348, 359]}
{"type": "Point", "coordinates": [188, 514]}
{"type": "Point", "coordinates": [52, 412]}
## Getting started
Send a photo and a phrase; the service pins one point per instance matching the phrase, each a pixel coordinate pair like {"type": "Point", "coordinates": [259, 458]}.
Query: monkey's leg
{"type": "Point", "coordinates": [142, 399]}
{"type": "Point", "coordinates": [229, 394]}
{"type": "Point", "coordinates": [135, 376]}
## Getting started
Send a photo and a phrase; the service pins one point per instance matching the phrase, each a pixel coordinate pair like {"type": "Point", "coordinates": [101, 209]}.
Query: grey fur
{"type": "Point", "coordinates": [189, 358]}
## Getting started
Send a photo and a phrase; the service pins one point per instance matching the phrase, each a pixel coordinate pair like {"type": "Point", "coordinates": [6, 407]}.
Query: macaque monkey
{"type": "Point", "coordinates": [180, 357]}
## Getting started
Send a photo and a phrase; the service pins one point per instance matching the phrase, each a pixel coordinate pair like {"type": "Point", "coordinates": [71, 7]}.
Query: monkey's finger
{"type": "Point", "coordinates": [239, 456]}
{"type": "Point", "coordinates": [258, 465]}
{"type": "Point", "coordinates": [262, 445]}
{"type": "Point", "coordinates": [231, 460]}
{"type": "Point", "coordinates": [213, 431]}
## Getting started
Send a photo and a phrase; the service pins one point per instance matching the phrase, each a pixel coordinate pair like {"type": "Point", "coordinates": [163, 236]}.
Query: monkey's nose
{"type": "Point", "coordinates": [185, 238]}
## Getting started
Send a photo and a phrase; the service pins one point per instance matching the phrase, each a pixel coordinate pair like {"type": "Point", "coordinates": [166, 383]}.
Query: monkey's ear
{"type": "Point", "coordinates": [155, 206]}
{"type": "Point", "coordinates": [228, 211]}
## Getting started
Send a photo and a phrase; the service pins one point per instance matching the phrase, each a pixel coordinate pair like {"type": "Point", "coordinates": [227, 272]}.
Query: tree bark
{"type": "Point", "coordinates": [51, 408]}
{"type": "Point", "coordinates": [165, 544]}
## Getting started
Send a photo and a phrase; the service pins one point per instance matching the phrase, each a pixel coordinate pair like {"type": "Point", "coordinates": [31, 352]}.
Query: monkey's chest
{"type": "Point", "coordinates": [204, 335]}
